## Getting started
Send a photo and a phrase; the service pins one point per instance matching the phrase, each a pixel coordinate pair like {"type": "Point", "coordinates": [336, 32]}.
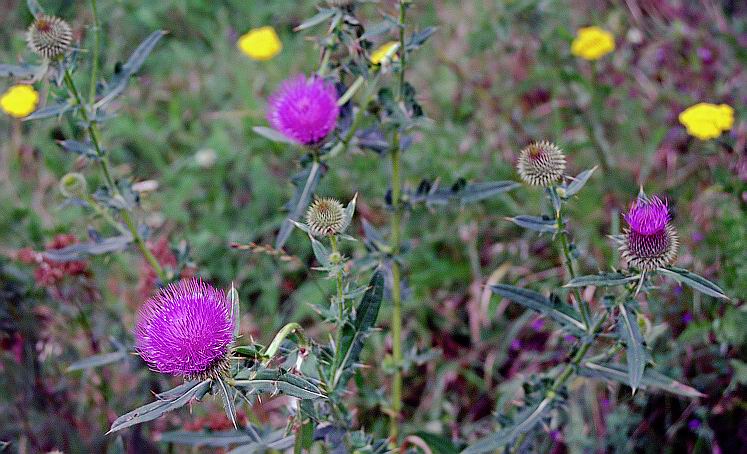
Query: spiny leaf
{"type": "Point", "coordinates": [578, 183]}
{"type": "Point", "coordinates": [561, 313]}
{"type": "Point", "coordinates": [601, 280]}
{"type": "Point", "coordinates": [636, 352]}
{"type": "Point", "coordinates": [305, 182]}
{"type": "Point", "coordinates": [155, 409]}
{"type": "Point", "coordinates": [525, 421]}
{"type": "Point", "coordinates": [227, 395]}
{"type": "Point", "coordinates": [320, 17]}
{"type": "Point", "coordinates": [536, 223]}
{"type": "Point", "coordinates": [695, 281]}
{"type": "Point", "coordinates": [650, 378]}
{"type": "Point", "coordinates": [97, 361]}
{"type": "Point", "coordinates": [273, 135]}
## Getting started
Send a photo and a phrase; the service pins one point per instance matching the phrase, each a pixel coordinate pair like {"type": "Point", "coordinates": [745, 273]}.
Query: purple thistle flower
{"type": "Point", "coordinates": [650, 242]}
{"type": "Point", "coordinates": [304, 110]}
{"type": "Point", "coordinates": [186, 329]}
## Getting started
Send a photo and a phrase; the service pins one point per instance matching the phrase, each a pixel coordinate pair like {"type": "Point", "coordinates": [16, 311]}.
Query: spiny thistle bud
{"type": "Point", "coordinates": [49, 36]}
{"type": "Point", "coordinates": [326, 217]}
{"type": "Point", "coordinates": [73, 185]}
{"type": "Point", "coordinates": [541, 164]}
{"type": "Point", "coordinates": [650, 242]}
{"type": "Point", "coordinates": [186, 329]}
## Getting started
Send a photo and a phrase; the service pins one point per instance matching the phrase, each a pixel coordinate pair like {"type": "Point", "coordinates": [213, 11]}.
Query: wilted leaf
{"type": "Point", "coordinates": [601, 280]}
{"type": "Point", "coordinates": [155, 409]}
{"type": "Point", "coordinates": [695, 281]}
{"type": "Point", "coordinates": [563, 314]}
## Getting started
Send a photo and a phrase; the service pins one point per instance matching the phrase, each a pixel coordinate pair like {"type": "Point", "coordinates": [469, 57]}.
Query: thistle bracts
{"type": "Point", "coordinates": [541, 164]}
{"type": "Point", "coordinates": [649, 242]}
{"type": "Point", "coordinates": [186, 330]}
{"type": "Point", "coordinates": [49, 37]}
{"type": "Point", "coordinates": [326, 217]}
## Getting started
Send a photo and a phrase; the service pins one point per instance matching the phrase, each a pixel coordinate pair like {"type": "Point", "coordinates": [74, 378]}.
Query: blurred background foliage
{"type": "Point", "coordinates": [496, 76]}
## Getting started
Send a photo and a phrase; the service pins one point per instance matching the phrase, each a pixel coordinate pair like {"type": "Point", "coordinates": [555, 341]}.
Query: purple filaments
{"type": "Point", "coordinates": [304, 110]}
{"type": "Point", "coordinates": [186, 329]}
{"type": "Point", "coordinates": [648, 217]}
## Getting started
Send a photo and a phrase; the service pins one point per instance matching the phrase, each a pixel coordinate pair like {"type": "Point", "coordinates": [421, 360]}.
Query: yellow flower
{"type": "Point", "coordinates": [592, 43]}
{"type": "Point", "coordinates": [385, 53]}
{"type": "Point", "coordinates": [19, 100]}
{"type": "Point", "coordinates": [707, 121]}
{"type": "Point", "coordinates": [260, 43]}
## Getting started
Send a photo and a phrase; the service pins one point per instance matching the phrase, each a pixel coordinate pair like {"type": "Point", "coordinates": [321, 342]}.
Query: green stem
{"type": "Point", "coordinates": [114, 190]}
{"type": "Point", "coordinates": [566, 249]}
{"type": "Point", "coordinates": [396, 404]}
{"type": "Point", "coordinates": [95, 60]}
{"type": "Point", "coordinates": [340, 295]}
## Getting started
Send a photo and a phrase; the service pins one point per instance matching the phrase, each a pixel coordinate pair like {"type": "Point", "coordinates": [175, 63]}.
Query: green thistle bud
{"type": "Point", "coordinates": [49, 37]}
{"type": "Point", "coordinates": [73, 185]}
{"type": "Point", "coordinates": [541, 164]}
{"type": "Point", "coordinates": [326, 217]}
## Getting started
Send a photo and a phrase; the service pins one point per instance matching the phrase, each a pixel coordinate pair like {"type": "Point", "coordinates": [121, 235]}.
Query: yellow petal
{"type": "Point", "coordinates": [592, 43]}
{"type": "Point", "coordinates": [260, 43]}
{"type": "Point", "coordinates": [384, 53]}
{"type": "Point", "coordinates": [707, 121]}
{"type": "Point", "coordinates": [19, 101]}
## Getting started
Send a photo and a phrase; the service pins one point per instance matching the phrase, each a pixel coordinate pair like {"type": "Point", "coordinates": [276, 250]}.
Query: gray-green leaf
{"type": "Point", "coordinates": [563, 314]}
{"type": "Point", "coordinates": [97, 361]}
{"type": "Point", "coordinates": [536, 223]}
{"type": "Point", "coordinates": [601, 280]}
{"type": "Point", "coordinates": [650, 378]}
{"type": "Point", "coordinates": [695, 281]}
{"type": "Point", "coordinates": [525, 421]}
{"type": "Point", "coordinates": [636, 353]}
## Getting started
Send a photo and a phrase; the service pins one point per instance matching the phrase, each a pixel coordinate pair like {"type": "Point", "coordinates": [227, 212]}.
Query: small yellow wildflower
{"type": "Point", "coordinates": [707, 121]}
{"type": "Point", "coordinates": [260, 43]}
{"type": "Point", "coordinates": [19, 101]}
{"type": "Point", "coordinates": [592, 43]}
{"type": "Point", "coordinates": [385, 53]}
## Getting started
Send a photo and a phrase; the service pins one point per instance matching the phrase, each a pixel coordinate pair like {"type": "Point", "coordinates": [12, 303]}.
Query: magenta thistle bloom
{"type": "Point", "coordinates": [186, 329]}
{"type": "Point", "coordinates": [304, 110]}
{"type": "Point", "coordinates": [650, 242]}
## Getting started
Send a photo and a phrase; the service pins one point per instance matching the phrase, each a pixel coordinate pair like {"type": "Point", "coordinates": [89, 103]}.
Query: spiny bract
{"type": "Point", "coordinates": [650, 241]}
{"type": "Point", "coordinates": [541, 164]}
{"type": "Point", "coordinates": [49, 36]}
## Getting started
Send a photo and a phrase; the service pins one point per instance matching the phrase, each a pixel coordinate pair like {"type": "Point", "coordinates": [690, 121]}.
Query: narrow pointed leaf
{"type": "Point", "coordinates": [563, 314]}
{"type": "Point", "coordinates": [55, 110]}
{"type": "Point", "coordinates": [650, 378]}
{"type": "Point", "coordinates": [155, 409]}
{"type": "Point", "coordinates": [627, 326]}
{"type": "Point", "coordinates": [273, 135]}
{"type": "Point", "coordinates": [18, 71]}
{"type": "Point", "coordinates": [320, 17]}
{"type": "Point", "coordinates": [34, 7]}
{"type": "Point", "coordinates": [525, 421]}
{"type": "Point", "coordinates": [695, 281]}
{"type": "Point", "coordinates": [578, 183]}
{"type": "Point", "coordinates": [79, 148]}
{"type": "Point", "coordinates": [211, 439]}
{"type": "Point", "coordinates": [536, 223]}
{"type": "Point", "coordinates": [320, 251]}
{"type": "Point", "coordinates": [227, 397]}
{"type": "Point", "coordinates": [271, 381]}
{"type": "Point", "coordinates": [119, 81]}
{"type": "Point", "coordinates": [305, 182]}
{"type": "Point", "coordinates": [233, 300]}
{"type": "Point", "coordinates": [97, 361]}
{"type": "Point", "coordinates": [601, 280]}
{"type": "Point", "coordinates": [475, 192]}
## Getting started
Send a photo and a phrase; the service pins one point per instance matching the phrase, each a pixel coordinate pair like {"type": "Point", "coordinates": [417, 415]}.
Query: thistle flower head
{"type": "Point", "coordinates": [49, 36]}
{"type": "Point", "coordinates": [304, 110]}
{"type": "Point", "coordinates": [650, 242]}
{"type": "Point", "coordinates": [326, 217]}
{"type": "Point", "coordinates": [541, 164]}
{"type": "Point", "coordinates": [186, 329]}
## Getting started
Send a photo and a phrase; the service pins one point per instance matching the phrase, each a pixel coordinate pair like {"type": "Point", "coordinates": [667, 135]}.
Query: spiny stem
{"type": "Point", "coordinates": [95, 59]}
{"type": "Point", "coordinates": [396, 404]}
{"type": "Point", "coordinates": [565, 247]}
{"type": "Point", "coordinates": [103, 162]}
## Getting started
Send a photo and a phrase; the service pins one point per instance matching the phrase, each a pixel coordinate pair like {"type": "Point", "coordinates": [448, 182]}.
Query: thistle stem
{"type": "Point", "coordinates": [396, 404]}
{"type": "Point", "coordinates": [566, 249]}
{"type": "Point", "coordinates": [103, 162]}
{"type": "Point", "coordinates": [95, 60]}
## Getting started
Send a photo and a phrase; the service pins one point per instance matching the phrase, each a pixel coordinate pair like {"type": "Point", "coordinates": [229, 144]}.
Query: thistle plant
{"type": "Point", "coordinates": [602, 331]}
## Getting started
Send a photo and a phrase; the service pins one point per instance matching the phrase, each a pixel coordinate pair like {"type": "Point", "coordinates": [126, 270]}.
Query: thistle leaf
{"type": "Point", "coordinates": [601, 280]}
{"type": "Point", "coordinates": [695, 281]}
{"type": "Point", "coordinates": [525, 421]}
{"type": "Point", "coordinates": [630, 333]}
{"type": "Point", "coordinates": [578, 183]}
{"type": "Point", "coordinates": [536, 223]}
{"type": "Point", "coordinates": [97, 361]}
{"type": "Point", "coordinates": [273, 135]}
{"type": "Point", "coordinates": [650, 378]}
{"type": "Point", "coordinates": [563, 314]}
{"type": "Point", "coordinates": [305, 182]}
